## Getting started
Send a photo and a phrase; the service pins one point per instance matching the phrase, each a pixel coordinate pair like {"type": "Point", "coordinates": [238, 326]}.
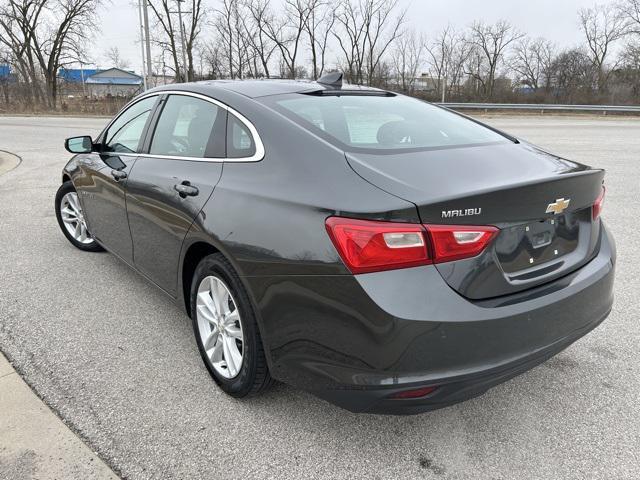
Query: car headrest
{"type": "Point", "coordinates": [199, 125]}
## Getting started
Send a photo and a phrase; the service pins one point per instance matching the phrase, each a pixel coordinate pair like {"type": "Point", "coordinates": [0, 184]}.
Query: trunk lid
{"type": "Point", "coordinates": [540, 202]}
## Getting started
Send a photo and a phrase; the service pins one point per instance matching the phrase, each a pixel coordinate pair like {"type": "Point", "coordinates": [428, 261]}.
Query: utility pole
{"type": "Point", "coordinates": [145, 12]}
{"type": "Point", "coordinates": [144, 73]}
{"type": "Point", "coordinates": [84, 93]}
{"type": "Point", "coordinates": [184, 45]}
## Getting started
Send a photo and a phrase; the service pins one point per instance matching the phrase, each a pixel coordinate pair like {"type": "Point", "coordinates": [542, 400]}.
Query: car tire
{"type": "Point", "coordinates": [213, 276]}
{"type": "Point", "coordinates": [70, 217]}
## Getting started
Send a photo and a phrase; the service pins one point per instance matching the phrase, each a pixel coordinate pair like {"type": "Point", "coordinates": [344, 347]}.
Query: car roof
{"type": "Point", "coordinates": [266, 87]}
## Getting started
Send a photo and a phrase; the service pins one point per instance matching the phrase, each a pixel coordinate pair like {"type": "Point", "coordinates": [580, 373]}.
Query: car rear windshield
{"type": "Point", "coordinates": [382, 123]}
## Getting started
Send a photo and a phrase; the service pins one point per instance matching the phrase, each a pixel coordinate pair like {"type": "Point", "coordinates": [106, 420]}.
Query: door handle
{"type": "Point", "coordinates": [118, 175]}
{"type": "Point", "coordinates": [185, 189]}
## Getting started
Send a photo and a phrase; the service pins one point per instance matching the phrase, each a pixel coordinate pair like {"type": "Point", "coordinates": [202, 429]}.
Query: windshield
{"type": "Point", "coordinates": [382, 122]}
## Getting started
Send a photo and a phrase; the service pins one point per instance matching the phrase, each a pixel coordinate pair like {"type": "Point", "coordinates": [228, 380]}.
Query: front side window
{"type": "Point", "coordinates": [189, 127]}
{"type": "Point", "coordinates": [382, 123]}
{"type": "Point", "coordinates": [125, 132]}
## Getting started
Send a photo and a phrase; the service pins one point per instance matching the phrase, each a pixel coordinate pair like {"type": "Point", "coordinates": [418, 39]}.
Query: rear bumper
{"type": "Point", "coordinates": [355, 341]}
{"type": "Point", "coordinates": [451, 390]}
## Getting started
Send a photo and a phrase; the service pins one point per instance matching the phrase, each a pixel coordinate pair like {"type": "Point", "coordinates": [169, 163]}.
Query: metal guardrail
{"type": "Point", "coordinates": [542, 108]}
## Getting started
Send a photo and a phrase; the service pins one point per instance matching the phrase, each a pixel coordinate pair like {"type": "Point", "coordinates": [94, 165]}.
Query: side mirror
{"type": "Point", "coordinates": [79, 144]}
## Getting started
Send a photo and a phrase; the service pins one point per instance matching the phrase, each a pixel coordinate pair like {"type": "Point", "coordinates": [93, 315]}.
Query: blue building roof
{"type": "Point", "coordinates": [93, 76]}
{"type": "Point", "coordinates": [5, 70]}
{"type": "Point", "coordinates": [75, 75]}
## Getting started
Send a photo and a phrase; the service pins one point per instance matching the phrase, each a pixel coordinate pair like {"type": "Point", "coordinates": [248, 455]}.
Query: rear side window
{"type": "Point", "coordinates": [240, 143]}
{"type": "Point", "coordinates": [382, 123]}
{"type": "Point", "coordinates": [189, 127]}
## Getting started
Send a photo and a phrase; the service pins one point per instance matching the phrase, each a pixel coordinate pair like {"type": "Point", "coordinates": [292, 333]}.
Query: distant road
{"type": "Point", "coordinates": [546, 108]}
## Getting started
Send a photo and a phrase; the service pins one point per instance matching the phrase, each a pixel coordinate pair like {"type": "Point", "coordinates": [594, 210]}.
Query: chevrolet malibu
{"type": "Point", "coordinates": [383, 253]}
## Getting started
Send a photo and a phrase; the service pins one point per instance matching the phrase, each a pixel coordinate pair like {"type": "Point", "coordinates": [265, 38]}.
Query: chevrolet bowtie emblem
{"type": "Point", "coordinates": [559, 206]}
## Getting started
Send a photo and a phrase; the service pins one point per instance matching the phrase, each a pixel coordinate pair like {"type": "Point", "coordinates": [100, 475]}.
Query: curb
{"type": "Point", "coordinates": [34, 441]}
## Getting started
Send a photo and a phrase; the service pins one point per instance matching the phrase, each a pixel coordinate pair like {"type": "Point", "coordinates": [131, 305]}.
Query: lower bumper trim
{"type": "Point", "coordinates": [450, 390]}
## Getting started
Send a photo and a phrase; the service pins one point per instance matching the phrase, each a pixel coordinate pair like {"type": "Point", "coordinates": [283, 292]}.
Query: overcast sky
{"type": "Point", "coordinates": [553, 19]}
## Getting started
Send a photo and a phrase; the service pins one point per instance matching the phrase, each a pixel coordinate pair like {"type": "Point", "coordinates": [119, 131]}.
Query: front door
{"type": "Point", "coordinates": [104, 178]}
{"type": "Point", "coordinates": [168, 187]}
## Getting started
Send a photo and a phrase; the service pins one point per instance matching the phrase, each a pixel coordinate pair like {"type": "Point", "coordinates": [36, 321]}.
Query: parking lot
{"type": "Point", "coordinates": [116, 359]}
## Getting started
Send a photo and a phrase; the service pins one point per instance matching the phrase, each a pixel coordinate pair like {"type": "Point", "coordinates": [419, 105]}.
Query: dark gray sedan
{"type": "Point", "coordinates": [380, 252]}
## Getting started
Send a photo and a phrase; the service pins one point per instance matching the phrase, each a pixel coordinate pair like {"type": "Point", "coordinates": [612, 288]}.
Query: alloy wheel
{"type": "Point", "coordinates": [220, 327]}
{"type": "Point", "coordinates": [73, 218]}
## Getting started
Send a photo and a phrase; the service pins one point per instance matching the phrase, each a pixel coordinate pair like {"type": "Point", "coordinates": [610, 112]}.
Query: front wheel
{"type": "Point", "coordinates": [71, 219]}
{"type": "Point", "coordinates": [226, 330]}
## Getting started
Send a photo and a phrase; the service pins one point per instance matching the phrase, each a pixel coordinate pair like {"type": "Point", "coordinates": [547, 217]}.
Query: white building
{"type": "Point", "coordinates": [114, 82]}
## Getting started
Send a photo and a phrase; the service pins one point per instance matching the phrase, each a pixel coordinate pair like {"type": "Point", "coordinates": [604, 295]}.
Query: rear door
{"type": "Point", "coordinates": [171, 182]}
{"type": "Point", "coordinates": [103, 181]}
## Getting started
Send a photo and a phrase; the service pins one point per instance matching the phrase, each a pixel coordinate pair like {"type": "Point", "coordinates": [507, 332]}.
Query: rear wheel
{"type": "Point", "coordinates": [226, 330]}
{"type": "Point", "coordinates": [71, 219]}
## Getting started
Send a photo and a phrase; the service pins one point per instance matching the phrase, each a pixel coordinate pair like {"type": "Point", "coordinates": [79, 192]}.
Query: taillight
{"type": "Point", "coordinates": [371, 246]}
{"type": "Point", "coordinates": [455, 242]}
{"type": "Point", "coordinates": [596, 210]}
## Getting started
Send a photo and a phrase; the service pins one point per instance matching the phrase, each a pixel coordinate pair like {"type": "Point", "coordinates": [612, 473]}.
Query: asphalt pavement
{"type": "Point", "coordinates": [117, 361]}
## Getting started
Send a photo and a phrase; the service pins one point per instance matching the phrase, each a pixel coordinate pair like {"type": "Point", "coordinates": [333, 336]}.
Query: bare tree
{"type": "Point", "coordinates": [256, 26]}
{"type": "Point", "coordinates": [532, 62]}
{"type": "Point", "coordinates": [45, 35]}
{"type": "Point", "coordinates": [476, 69]}
{"type": "Point", "coordinates": [491, 42]}
{"type": "Point", "coordinates": [630, 56]}
{"type": "Point", "coordinates": [167, 34]}
{"type": "Point", "coordinates": [630, 68]}
{"type": "Point", "coordinates": [630, 10]}
{"type": "Point", "coordinates": [5, 61]}
{"type": "Point", "coordinates": [446, 56]}
{"type": "Point", "coordinates": [602, 26]}
{"type": "Point", "coordinates": [226, 17]}
{"type": "Point", "coordinates": [196, 17]}
{"type": "Point", "coordinates": [318, 26]}
{"type": "Point", "coordinates": [367, 30]}
{"type": "Point", "coordinates": [407, 58]}
{"type": "Point", "coordinates": [17, 19]}
{"type": "Point", "coordinates": [573, 74]}
{"type": "Point", "coordinates": [350, 40]}
{"type": "Point", "coordinates": [213, 60]}
{"type": "Point", "coordinates": [233, 36]}
{"type": "Point", "coordinates": [457, 72]}
{"type": "Point", "coordinates": [254, 38]}
{"type": "Point", "coordinates": [115, 59]}
{"type": "Point", "coordinates": [287, 34]}
{"type": "Point", "coordinates": [252, 35]}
